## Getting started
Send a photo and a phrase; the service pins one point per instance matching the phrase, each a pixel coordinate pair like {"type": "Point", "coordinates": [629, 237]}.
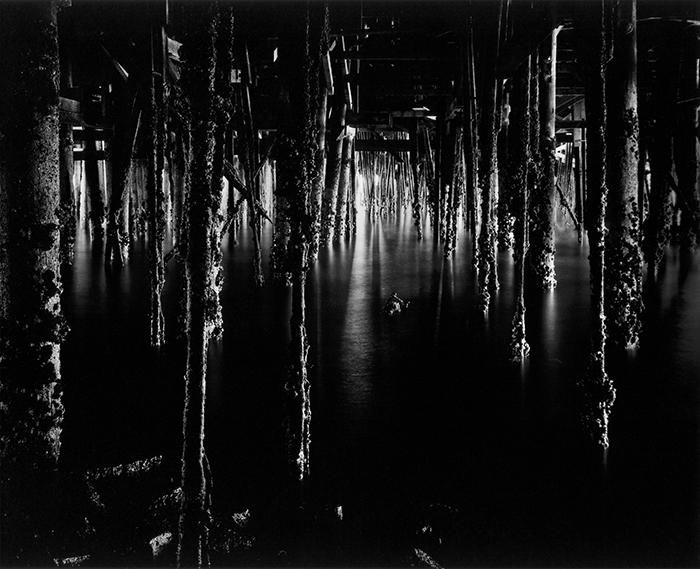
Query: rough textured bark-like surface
{"type": "Point", "coordinates": [541, 252]}
{"type": "Point", "coordinates": [297, 170]}
{"type": "Point", "coordinates": [30, 310]}
{"type": "Point", "coordinates": [597, 389]}
{"type": "Point", "coordinates": [520, 161]}
{"type": "Point", "coordinates": [657, 225]}
{"type": "Point", "coordinates": [488, 276]}
{"type": "Point", "coordinates": [457, 192]}
{"type": "Point", "coordinates": [333, 170]}
{"type": "Point", "coordinates": [66, 213]}
{"type": "Point", "coordinates": [202, 268]}
{"type": "Point", "coordinates": [96, 206]}
{"type": "Point", "coordinates": [471, 144]}
{"type": "Point", "coordinates": [623, 276]}
{"type": "Point", "coordinates": [317, 197]}
{"type": "Point", "coordinates": [416, 206]}
{"type": "Point", "coordinates": [342, 219]}
{"type": "Point", "coordinates": [155, 143]}
{"type": "Point", "coordinates": [126, 124]}
{"type": "Point", "coordinates": [32, 326]}
{"type": "Point", "coordinates": [488, 138]}
{"type": "Point", "coordinates": [686, 143]}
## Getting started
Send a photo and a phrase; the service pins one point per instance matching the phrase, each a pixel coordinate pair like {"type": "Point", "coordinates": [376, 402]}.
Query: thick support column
{"type": "Point", "coordinates": [300, 54]}
{"type": "Point", "coordinates": [202, 257]}
{"type": "Point", "coordinates": [67, 212]}
{"type": "Point", "coordinates": [125, 127]}
{"type": "Point", "coordinates": [591, 27]}
{"type": "Point", "coordinates": [541, 253]}
{"type": "Point", "coordinates": [334, 167]}
{"type": "Point", "coordinates": [155, 143]}
{"type": "Point", "coordinates": [32, 326]}
{"type": "Point", "coordinates": [623, 276]}
{"type": "Point", "coordinates": [95, 191]}
{"type": "Point", "coordinates": [686, 142]}
{"type": "Point", "coordinates": [342, 219]}
{"type": "Point", "coordinates": [657, 225]}
{"type": "Point", "coordinates": [317, 197]}
{"type": "Point", "coordinates": [438, 179]}
{"type": "Point", "coordinates": [455, 198]}
{"type": "Point", "coordinates": [471, 141]}
{"type": "Point", "coordinates": [488, 273]}
{"type": "Point", "coordinates": [519, 186]}
{"type": "Point", "coordinates": [416, 205]}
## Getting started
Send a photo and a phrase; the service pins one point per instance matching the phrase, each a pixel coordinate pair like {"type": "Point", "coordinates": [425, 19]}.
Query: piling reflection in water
{"type": "Point", "coordinates": [417, 409]}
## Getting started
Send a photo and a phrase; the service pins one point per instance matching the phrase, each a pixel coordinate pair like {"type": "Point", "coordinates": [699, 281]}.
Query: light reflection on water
{"type": "Point", "coordinates": [416, 408]}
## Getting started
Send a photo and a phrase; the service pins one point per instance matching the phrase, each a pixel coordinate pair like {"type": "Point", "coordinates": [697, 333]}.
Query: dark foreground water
{"type": "Point", "coordinates": [423, 433]}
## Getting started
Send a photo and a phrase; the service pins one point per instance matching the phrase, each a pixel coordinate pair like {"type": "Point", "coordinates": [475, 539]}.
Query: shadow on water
{"type": "Point", "coordinates": [423, 432]}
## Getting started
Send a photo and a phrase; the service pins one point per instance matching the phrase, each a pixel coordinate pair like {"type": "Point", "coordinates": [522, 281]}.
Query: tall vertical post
{"type": "Point", "coordinates": [521, 158]}
{"type": "Point", "coordinates": [342, 219]}
{"type": "Point", "coordinates": [591, 28]}
{"type": "Point", "coordinates": [300, 54]}
{"type": "Point", "coordinates": [542, 247]}
{"type": "Point", "coordinates": [202, 256]}
{"type": "Point", "coordinates": [32, 326]}
{"type": "Point", "coordinates": [95, 191]}
{"type": "Point", "coordinates": [488, 274]}
{"type": "Point", "coordinates": [416, 206]}
{"type": "Point", "coordinates": [623, 276]}
{"type": "Point", "coordinates": [155, 137]}
{"type": "Point", "coordinates": [686, 141]}
{"type": "Point", "coordinates": [471, 145]}
{"type": "Point", "coordinates": [317, 197]}
{"type": "Point", "coordinates": [657, 225]}
{"type": "Point", "coordinates": [334, 167]}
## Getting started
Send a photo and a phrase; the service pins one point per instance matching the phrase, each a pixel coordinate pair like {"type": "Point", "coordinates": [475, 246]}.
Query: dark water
{"type": "Point", "coordinates": [422, 431]}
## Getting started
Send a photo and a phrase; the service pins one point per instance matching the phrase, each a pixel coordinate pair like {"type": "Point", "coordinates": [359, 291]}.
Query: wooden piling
{"type": "Point", "coordinates": [488, 271]}
{"type": "Point", "coordinates": [32, 326]}
{"type": "Point", "coordinates": [685, 145]}
{"type": "Point", "coordinates": [540, 258]}
{"type": "Point", "coordinates": [591, 27]}
{"type": "Point", "coordinates": [202, 269]}
{"type": "Point", "coordinates": [623, 275]}
{"type": "Point", "coordinates": [519, 186]}
{"type": "Point", "coordinates": [657, 226]}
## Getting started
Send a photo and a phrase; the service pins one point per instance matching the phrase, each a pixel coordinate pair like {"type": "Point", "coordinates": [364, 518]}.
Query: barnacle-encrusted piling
{"type": "Point", "coordinates": [66, 211]}
{"type": "Point", "coordinates": [471, 140]}
{"type": "Point", "coordinates": [685, 145]}
{"type": "Point", "coordinates": [488, 275]}
{"type": "Point", "coordinates": [333, 168]}
{"type": "Point", "coordinates": [32, 326]}
{"type": "Point", "coordinates": [342, 219]}
{"type": "Point", "coordinates": [591, 27]}
{"type": "Point", "coordinates": [540, 256]}
{"type": "Point", "coordinates": [519, 187]}
{"type": "Point", "coordinates": [297, 169]}
{"type": "Point", "coordinates": [155, 142]}
{"type": "Point", "coordinates": [623, 275]}
{"type": "Point", "coordinates": [203, 273]}
{"type": "Point", "coordinates": [657, 225]}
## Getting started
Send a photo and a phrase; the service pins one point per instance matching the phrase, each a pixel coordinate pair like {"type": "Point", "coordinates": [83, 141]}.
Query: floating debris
{"type": "Point", "coordinates": [130, 469]}
{"type": "Point", "coordinates": [425, 558]}
{"type": "Point", "coordinates": [395, 304]}
{"type": "Point", "coordinates": [76, 561]}
{"type": "Point", "coordinates": [160, 542]}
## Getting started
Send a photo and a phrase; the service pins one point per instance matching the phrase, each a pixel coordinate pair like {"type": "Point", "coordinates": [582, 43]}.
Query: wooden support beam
{"type": "Point", "coordinates": [232, 177]}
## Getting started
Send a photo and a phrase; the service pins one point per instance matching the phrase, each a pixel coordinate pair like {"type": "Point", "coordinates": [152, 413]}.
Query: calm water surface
{"type": "Point", "coordinates": [419, 420]}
